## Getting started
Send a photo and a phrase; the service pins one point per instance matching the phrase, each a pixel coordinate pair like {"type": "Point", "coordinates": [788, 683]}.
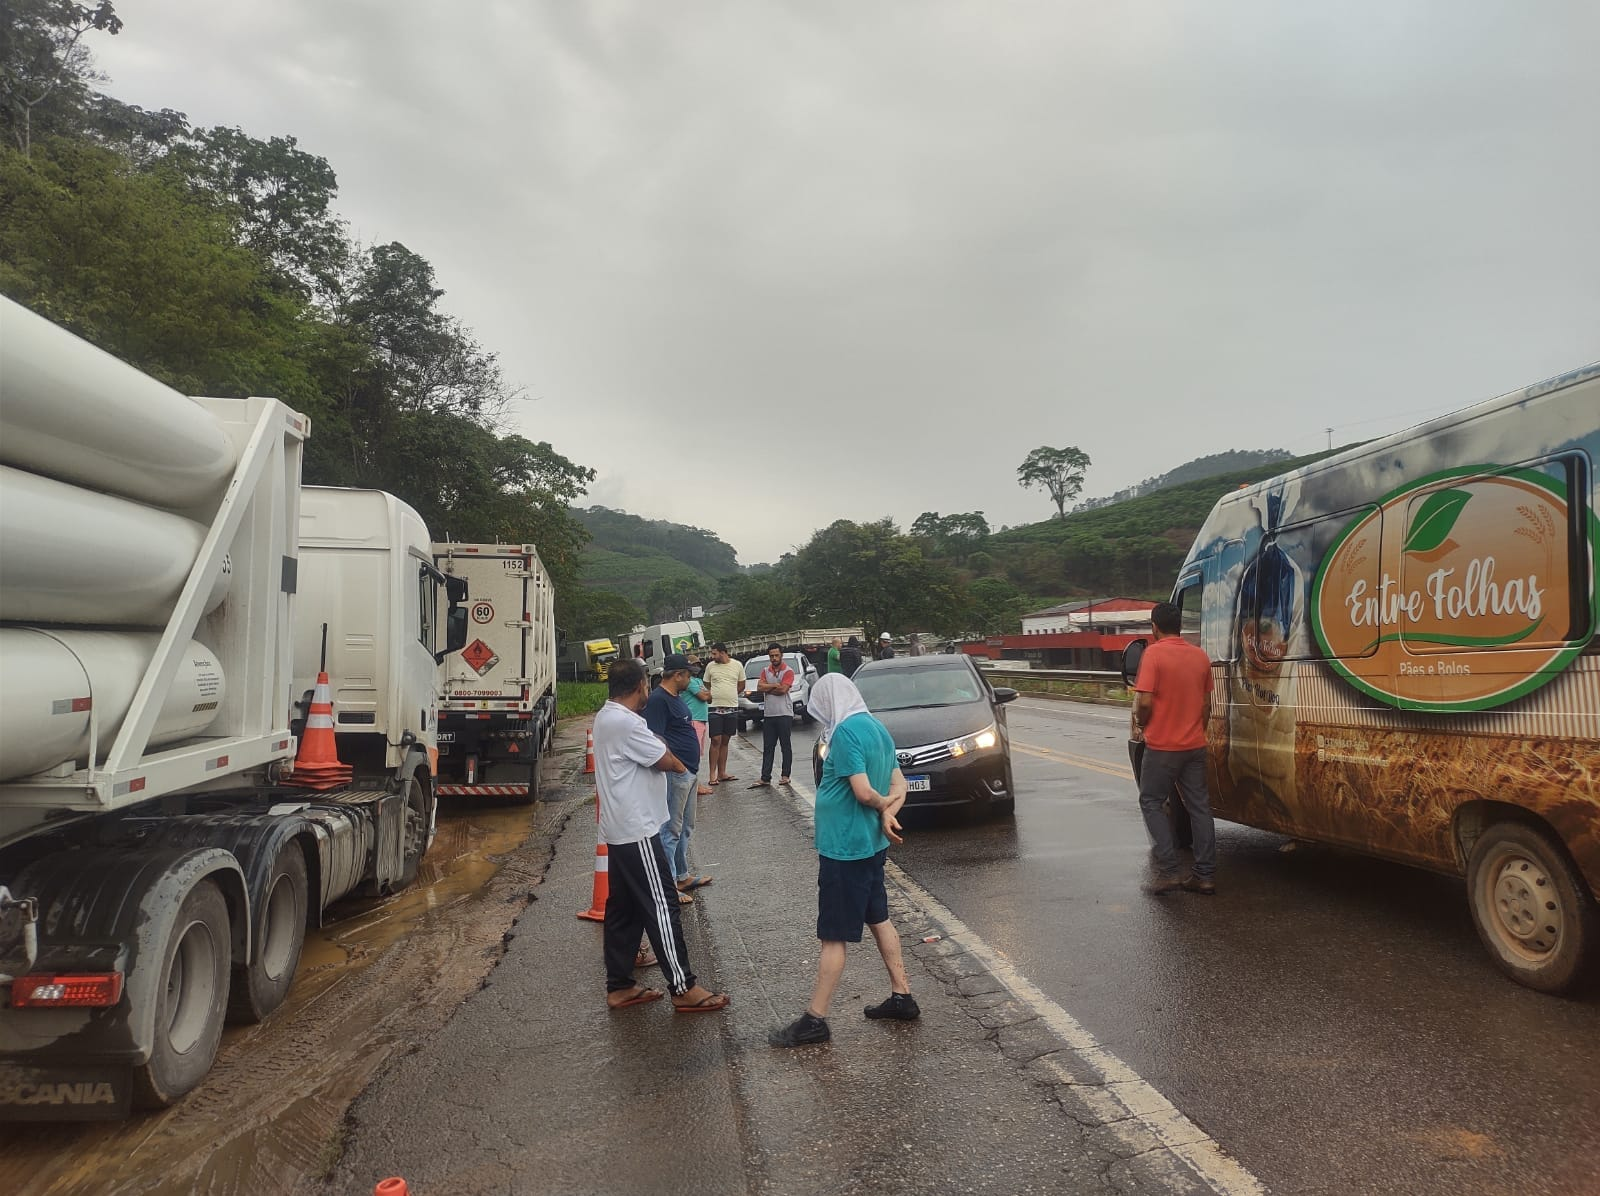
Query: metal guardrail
{"type": "Point", "coordinates": [1100, 685]}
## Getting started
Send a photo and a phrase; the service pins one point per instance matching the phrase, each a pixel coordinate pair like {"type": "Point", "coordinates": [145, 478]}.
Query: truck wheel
{"type": "Point", "coordinates": [414, 833]}
{"type": "Point", "coordinates": [260, 986]}
{"type": "Point", "coordinates": [1532, 911]}
{"type": "Point", "coordinates": [191, 998]}
{"type": "Point", "coordinates": [535, 777]}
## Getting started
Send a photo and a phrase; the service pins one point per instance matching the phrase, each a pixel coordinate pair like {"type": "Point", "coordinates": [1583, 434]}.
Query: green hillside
{"type": "Point", "coordinates": [1133, 548]}
{"type": "Point", "coordinates": [628, 554]}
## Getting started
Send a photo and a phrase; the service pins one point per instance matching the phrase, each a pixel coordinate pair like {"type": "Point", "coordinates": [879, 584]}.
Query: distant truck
{"type": "Point", "coordinates": [169, 594]}
{"type": "Point", "coordinates": [1405, 661]}
{"type": "Point", "coordinates": [586, 660]}
{"type": "Point", "coordinates": [497, 696]}
{"type": "Point", "coordinates": [660, 640]}
{"type": "Point", "coordinates": [812, 642]}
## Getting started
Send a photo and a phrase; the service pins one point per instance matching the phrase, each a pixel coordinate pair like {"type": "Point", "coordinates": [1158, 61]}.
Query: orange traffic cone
{"type": "Point", "coordinates": [393, 1186]}
{"type": "Point", "coordinates": [317, 764]}
{"type": "Point", "coordinates": [588, 755]}
{"type": "Point", "coordinates": [602, 876]}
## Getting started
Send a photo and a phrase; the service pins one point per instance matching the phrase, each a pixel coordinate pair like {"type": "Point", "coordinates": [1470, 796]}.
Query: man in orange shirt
{"type": "Point", "coordinates": [1172, 702]}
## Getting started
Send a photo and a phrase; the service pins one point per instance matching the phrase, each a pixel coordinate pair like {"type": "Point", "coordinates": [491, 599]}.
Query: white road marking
{"type": "Point", "coordinates": [1131, 1103]}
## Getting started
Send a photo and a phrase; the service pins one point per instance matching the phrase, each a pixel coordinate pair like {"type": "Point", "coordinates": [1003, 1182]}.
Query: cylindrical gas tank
{"type": "Point", "coordinates": [49, 678]}
{"type": "Point", "coordinates": [71, 411]}
{"type": "Point", "coordinates": [74, 556]}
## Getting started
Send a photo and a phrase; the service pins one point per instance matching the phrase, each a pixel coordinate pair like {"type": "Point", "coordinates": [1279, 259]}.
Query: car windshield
{"type": "Point", "coordinates": [753, 666]}
{"type": "Point", "coordinates": [911, 689]}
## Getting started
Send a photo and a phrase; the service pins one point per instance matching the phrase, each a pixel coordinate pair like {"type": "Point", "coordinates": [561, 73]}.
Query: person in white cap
{"type": "Point", "coordinates": [886, 646]}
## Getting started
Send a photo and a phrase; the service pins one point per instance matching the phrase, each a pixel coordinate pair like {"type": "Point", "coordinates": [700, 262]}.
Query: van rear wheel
{"type": "Point", "coordinates": [1531, 908]}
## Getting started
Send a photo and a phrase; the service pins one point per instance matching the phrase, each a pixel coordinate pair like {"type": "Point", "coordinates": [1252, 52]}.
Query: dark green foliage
{"type": "Point", "coordinates": [694, 547]}
{"type": "Point", "coordinates": [214, 262]}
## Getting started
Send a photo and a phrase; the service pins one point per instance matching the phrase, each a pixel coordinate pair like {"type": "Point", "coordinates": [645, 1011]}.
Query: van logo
{"type": "Point", "coordinates": [1454, 594]}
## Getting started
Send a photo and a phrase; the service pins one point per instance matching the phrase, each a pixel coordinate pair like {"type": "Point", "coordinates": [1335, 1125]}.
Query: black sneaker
{"type": "Point", "coordinates": [803, 1031]}
{"type": "Point", "coordinates": [900, 1007]}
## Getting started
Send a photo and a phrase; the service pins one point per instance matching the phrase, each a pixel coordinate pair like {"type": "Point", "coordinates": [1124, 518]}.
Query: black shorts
{"type": "Point", "coordinates": [850, 895]}
{"type": "Point", "coordinates": [722, 725]}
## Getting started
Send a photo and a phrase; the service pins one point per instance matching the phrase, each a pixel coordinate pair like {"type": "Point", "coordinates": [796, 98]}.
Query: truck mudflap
{"type": "Point", "coordinates": [65, 1093]}
{"type": "Point", "coordinates": [100, 908]}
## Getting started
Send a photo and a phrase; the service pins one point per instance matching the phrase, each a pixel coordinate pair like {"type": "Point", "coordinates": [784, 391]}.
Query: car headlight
{"type": "Point", "coordinates": [981, 742]}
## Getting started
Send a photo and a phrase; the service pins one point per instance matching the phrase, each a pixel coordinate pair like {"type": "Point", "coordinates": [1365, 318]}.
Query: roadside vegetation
{"type": "Point", "coordinates": [575, 699]}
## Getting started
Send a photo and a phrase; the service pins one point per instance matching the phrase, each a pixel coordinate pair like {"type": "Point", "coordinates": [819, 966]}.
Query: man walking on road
{"type": "Point", "coordinates": [724, 677]}
{"type": "Point", "coordinates": [858, 797]}
{"type": "Point", "coordinates": [1172, 703]}
{"type": "Point", "coordinates": [667, 715]}
{"type": "Point", "coordinates": [633, 805]}
{"type": "Point", "coordinates": [777, 713]}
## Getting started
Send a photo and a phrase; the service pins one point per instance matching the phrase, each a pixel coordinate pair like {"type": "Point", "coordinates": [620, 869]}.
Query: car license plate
{"type": "Point", "coordinates": [918, 784]}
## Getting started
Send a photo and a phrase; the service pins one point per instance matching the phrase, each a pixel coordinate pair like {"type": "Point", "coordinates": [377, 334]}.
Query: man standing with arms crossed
{"type": "Point", "coordinates": [1172, 704]}
{"type": "Point", "coordinates": [724, 677]}
{"type": "Point", "coordinates": [667, 715]}
{"type": "Point", "coordinates": [777, 712]}
{"type": "Point", "coordinates": [629, 761]}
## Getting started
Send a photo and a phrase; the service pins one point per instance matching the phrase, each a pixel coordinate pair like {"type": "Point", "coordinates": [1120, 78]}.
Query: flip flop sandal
{"type": "Point", "coordinates": [762, 785]}
{"type": "Point", "coordinates": [784, 781]}
{"type": "Point", "coordinates": [689, 883]}
{"type": "Point", "coordinates": [646, 959]}
{"type": "Point", "coordinates": [685, 899]}
{"type": "Point", "coordinates": [643, 997]}
{"type": "Point", "coordinates": [709, 1004]}
{"type": "Point", "coordinates": [704, 791]}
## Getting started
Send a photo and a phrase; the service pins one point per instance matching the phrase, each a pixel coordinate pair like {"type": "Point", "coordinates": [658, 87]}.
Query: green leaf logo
{"type": "Point", "coordinates": [1435, 518]}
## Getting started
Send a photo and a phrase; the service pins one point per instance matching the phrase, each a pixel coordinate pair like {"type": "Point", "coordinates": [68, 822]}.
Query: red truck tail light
{"type": "Point", "coordinates": [89, 990]}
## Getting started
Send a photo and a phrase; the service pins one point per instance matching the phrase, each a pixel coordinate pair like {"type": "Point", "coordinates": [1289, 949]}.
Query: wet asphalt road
{"type": "Point", "coordinates": [1330, 1019]}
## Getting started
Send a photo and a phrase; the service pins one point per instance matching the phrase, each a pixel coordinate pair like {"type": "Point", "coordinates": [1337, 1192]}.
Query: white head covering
{"type": "Point", "coordinates": [833, 699]}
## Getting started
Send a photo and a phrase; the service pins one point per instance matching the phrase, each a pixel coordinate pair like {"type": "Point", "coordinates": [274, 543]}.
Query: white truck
{"type": "Point", "coordinates": [167, 593]}
{"type": "Point", "coordinates": [497, 705]}
{"type": "Point", "coordinates": [661, 640]}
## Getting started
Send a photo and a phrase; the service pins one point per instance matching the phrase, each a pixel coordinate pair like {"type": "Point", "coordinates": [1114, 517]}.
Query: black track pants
{"type": "Point", "coordinates": [643, 897]}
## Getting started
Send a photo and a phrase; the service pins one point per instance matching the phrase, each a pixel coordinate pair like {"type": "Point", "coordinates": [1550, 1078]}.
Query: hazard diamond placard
{"type": "Point", "coordinates": [480, 656]}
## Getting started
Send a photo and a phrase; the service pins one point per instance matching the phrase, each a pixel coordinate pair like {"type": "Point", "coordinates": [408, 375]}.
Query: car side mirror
{"type": "Point", "coordinates": [1131, 656]}
{"type": "Point", "coordinates": [1004, 694]}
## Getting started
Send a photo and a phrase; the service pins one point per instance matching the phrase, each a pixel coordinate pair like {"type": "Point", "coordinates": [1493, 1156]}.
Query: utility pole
{"type": "Point", "coordinates": [1330, 440]}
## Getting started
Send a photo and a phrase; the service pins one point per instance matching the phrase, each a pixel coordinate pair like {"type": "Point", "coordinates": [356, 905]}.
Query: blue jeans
{"type": "Point", "coordinates": [1161, 774]}
{"type": "Point", "coordinates": [679, 825]}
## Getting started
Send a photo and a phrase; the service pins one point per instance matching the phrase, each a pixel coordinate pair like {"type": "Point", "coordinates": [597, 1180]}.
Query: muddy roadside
{"type": "Point", "coordinates": [376, 980]}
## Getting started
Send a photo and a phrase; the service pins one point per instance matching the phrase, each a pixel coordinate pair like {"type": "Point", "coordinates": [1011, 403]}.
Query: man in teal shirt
{"type": "Point", "coordinates": [858, 797]}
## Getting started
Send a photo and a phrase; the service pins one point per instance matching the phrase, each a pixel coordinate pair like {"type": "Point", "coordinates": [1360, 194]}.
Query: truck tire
{"type": "Point", "coordinates": [535, 773]}
{"type": "Point", "coordinates": [192, 997]}
{"type": "Point", "coordinates": [260, 986]}
{"type": "Point", "coordinates": [414, 831]}
{"type": "Point", "coordinates": [1531, 908]}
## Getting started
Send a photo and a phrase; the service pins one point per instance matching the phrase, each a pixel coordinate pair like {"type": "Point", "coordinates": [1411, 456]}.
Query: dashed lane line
{"type": "Point", "coordinates": [1140, 1101]}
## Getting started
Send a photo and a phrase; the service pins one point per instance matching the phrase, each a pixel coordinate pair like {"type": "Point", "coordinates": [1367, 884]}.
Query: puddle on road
{"type": "Point", "coordinates": [382, 973]}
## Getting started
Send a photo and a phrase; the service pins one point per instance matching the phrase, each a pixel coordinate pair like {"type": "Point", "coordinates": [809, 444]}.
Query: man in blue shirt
{"type": "Point", "coordinates": [668, 716]}
{"type": "Point", "coordinates": [861, 791]}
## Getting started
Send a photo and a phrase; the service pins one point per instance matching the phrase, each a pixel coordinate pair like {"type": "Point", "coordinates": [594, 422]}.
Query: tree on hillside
{"type": "Point", "coordinates": [764, 604]}
{"type": "Point", "coordinates": [996, 607]}
{"type": "Point", "coordinates": [869, 573]}
{"type": "Point", "coordinates": [583, 613]}
{"type": "Point", "coordinates": [954, 536]}
{"type": "Point", "coordinates": [669, 597]}
{"type": "Point", "coordinates": [281, 198]}
{"type": "Point", "coordinates": [1057, 470]}
{"type": "Point", "coordinates": [45, 69]}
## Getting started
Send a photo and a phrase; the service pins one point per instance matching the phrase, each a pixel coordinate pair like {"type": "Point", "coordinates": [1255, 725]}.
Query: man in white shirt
{"type": "Point", "coordinates": [629, 763]}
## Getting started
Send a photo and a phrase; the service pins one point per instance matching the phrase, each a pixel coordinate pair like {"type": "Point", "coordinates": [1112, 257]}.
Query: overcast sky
{"type": "Point", "coordinates": [767, 265]}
